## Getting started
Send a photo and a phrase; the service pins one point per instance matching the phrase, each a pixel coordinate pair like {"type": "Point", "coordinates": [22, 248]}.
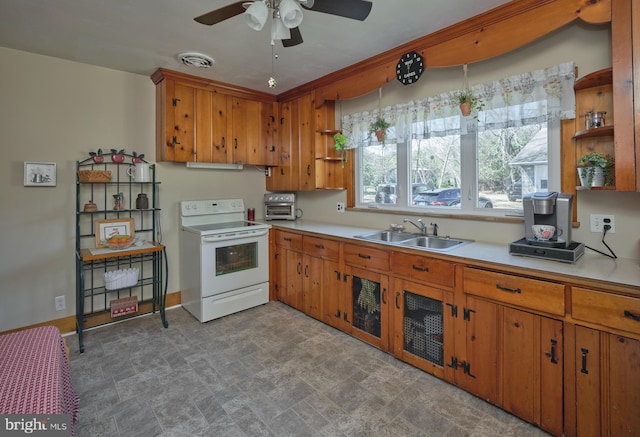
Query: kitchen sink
{"type": "Point", "coordinates": [387, 236]}
{"type": "Point", "coordinates": [434, 243]}
{"type": "Point", "coordinates": [413, 240]}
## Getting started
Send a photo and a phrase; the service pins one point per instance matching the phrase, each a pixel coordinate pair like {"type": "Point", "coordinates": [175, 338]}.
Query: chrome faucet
{"type": "Point", "coordinates": [422, 227]}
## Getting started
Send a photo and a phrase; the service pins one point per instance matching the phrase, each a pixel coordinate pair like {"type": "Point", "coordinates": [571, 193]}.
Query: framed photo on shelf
{"type": "Point", "coordinates": [107, 228]}
{"type": "Point", "coordinates": [39, 174]}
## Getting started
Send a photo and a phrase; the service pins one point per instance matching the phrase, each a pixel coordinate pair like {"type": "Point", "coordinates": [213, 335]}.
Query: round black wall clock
{"type": "Point", "coordinates": [409, 68]}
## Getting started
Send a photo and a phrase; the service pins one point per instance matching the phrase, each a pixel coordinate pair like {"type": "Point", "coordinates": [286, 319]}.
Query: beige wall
{"type": "Point", "coordinates": [57, 111]}
{"type": "Point", "coordinates": [53, 110]}
{"type": "Point", "coordinates": [590, 48]}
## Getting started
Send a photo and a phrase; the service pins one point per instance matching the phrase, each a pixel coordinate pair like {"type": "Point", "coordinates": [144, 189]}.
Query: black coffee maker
{"type": "Point", "coordinates": [554, 209]}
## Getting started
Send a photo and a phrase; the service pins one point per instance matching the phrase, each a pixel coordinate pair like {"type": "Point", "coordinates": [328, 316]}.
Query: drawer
{"type": "Point", "coordinates": [426, 270]}
{"type": "Point", "coordinates": [289, 240]}
{"type": "Point", "coordinates": [318, 247]}
{"type": "Point", "coordinates": [620, 312]}
{"type": "Point", "coordinates": [533, 294]}
{"type": "Point", "coordinates": [366, 257]}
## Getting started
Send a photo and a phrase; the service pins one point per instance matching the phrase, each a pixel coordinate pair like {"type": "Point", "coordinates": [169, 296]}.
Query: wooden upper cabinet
{"type": "Point", "coordinates": [198, 120]}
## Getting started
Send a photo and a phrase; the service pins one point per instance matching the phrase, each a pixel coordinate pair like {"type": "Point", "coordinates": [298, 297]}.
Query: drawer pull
{"type": "Point", "coordinates": [320, 246]}
{"type": "Point", "coordinates": [554, 343]}
{"type": "Point", "coordinates": [364, 256]}
{"type": "Point", "coordinates": [584, 361]}
{"type": "Point", "coordinates": [420, 269]}
{"type": "Point", "coordinates": [286, 239]}
{"type": "Point", "coordinates": [508, 290]}
{"type": "Point", "coordinates": [632, 316]}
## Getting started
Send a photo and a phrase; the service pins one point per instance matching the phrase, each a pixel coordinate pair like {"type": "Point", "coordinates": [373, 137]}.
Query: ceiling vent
{"type": "Point", "coordinates": [197, 60]}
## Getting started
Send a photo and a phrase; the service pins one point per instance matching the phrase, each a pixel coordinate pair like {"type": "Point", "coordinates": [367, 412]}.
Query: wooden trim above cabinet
{"type": "Point", "coordinates": [246, 93]}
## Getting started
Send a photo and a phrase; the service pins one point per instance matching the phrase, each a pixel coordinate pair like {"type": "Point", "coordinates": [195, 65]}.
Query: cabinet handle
{"type": "Point", "coordinates": [320, 246]}
{"type": "Point", "coordinates": [306, 271]}
{"type": "Point", "coordinates": [554, 343]}
{"type": "Point", "coordinates": [174, 140]}
{"type": "Point", "coordinates": [632, 316]}
{"type": "Point", "coordinates": [235, 143]}
{"type": "Point", "coordinates": [282, 171]}
{"type": "Point", "coordinates": [299, 268]}
{"type": "Point", "coordinates": [224, 142]}
{"type": "Point", "coordinates": [345, 276]}
{"type": "Point", "coordinates": [397, 296]}
{"type": "Point", "coordinates": [276, 255]}
{"type": "Point", "coordinates": [420, 269]}
{"type": "Point", "coordinates": [286, 238]}
{"type": "Point", "coordinates": [309, 170]}
{"type": "Point", "coordinates": [337, 274]}
{"type": "Point", "coordinates": [174, 101]}
{"type": "Point", "coordinates": [508, 290]}
{"type": "Point", "coordinates": [584, 361]}
{"type": "Point", "coordinates": [338, 314]}
{"type": "Point", "coordinates": [346, 318]}
{"type": "Point", "coordinates": [384, 296]}
{"type": "Point", "coordinates": [364, 256]}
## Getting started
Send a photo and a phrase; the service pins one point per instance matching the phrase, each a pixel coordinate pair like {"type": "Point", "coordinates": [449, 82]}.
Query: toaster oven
{"type": "Point", "coordinates": [280, 206]}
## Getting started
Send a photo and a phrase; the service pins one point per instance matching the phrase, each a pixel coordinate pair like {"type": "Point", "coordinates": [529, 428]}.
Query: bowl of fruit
{"type": "Point", "coordinates": [119, 242]}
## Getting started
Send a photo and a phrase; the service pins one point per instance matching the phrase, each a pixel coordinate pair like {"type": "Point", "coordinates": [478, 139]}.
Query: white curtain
{"type": "Point", "coordinates": [533, 97]}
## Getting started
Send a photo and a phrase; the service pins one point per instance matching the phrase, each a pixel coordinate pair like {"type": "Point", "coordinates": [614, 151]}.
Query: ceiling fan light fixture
{"type": "Point", "coordinates": [291, 13]}
{"type": "Point", "coordinates": [278, 30]}
{"type": "Point", "coordinates": [193, 59]}
{"type": "Point", "coordinates": [256, 15]}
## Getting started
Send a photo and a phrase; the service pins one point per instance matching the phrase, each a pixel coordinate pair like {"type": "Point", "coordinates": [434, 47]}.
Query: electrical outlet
{"type": "Point", "coordinates": [341, 207]}
{"type": "Point", "coordinates": [598, 221]}
{"type": "Point", "coordinates": [60, 303]}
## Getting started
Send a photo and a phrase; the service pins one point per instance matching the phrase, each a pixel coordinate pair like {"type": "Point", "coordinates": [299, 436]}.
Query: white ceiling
{"type": "Point", "coordinates": [140, 36]}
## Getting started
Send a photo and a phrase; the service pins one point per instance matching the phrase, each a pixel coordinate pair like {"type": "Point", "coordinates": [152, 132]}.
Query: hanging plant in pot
{"type": "Point", "coordinates": [594, 169]}
{"type": "Point", "coordinates": [379, 128]}
{"type": "Point", "coordinates": [469, 103]}
{"type": "Point", "coordinates": [340, 145]}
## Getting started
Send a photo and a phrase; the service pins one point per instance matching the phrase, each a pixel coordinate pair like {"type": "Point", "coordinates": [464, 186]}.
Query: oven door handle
{"type": "Point", "coordinates": [234, 236]}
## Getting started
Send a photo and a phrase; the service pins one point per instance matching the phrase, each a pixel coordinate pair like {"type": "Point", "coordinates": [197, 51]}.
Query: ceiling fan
{"type": "Point", "coordinates": [286, 15]}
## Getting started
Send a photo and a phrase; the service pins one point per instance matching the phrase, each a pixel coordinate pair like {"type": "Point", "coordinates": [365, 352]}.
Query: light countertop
{"type": "Point", "coordinates": [591, 265]}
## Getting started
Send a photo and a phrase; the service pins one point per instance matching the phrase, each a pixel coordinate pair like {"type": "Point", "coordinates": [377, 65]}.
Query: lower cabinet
{"type": "Point", "coordinates": [514, 359]}
{"type": "Point", "coordinates": [422, 326]}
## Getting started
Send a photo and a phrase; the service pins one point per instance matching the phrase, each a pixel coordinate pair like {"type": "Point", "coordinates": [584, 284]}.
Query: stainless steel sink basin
{"type": "Point", "coordinates": [434, 243]}
{"type": "Point", "coordinates": [387, 236]}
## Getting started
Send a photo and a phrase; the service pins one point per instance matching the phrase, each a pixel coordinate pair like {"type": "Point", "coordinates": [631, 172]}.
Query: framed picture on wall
{"type": "Point", "coordinates": [105, 229]}
{"type": "Point", "coordinates": [39, 174]}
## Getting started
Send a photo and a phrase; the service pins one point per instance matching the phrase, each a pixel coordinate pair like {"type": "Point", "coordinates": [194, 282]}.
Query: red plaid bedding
{"type": "Point", "coordinates": [35, 377]}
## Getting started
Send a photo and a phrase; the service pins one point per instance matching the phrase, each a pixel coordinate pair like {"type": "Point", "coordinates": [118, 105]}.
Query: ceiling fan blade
{"type": "Point", "coordinates": [213, 17]}
{"type": "Point", "coordinates": [355, 9]}
{"type": "Point", "coordinates": [296, 38]}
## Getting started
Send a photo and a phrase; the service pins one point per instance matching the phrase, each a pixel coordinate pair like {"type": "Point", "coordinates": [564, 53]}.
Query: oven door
{"type": "Point", "coordinates": [234, 261]}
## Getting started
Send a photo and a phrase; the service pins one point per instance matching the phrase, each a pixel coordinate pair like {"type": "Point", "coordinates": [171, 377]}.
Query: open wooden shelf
{"type": "Point", "coordinates": [604, 131]}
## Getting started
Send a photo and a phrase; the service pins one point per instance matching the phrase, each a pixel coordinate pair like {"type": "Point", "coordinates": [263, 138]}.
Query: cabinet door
{"type": "Point", "coordinates": [420, 331]}
{"type": "Point", "coordinates": [220, 137]}
{"type": "Point", "coordinates": [203, 114]}
{"type": "Point", "coordinates": [306, 141]}
{"type": "Point", "coordinates": [333, 303]}
{"type": "Point", "coordinates": [481, 374]}
{"type": "Point", "coordinates": [181, 123]}
{"type": "Point", "coordinates": [587, 359]}
{"type": "Point", "coordinates": [367, 312]}
{"type": "Point", "coordinates": [292, 278]}
{"type": "Point", "coordinates": [312, 286]}
{"type": "Point", "coordinates": [532, 365]}
{"type": "Point", "coordinates": [284, 176]}
{"type": "Point", "coordinates": [624, 385]}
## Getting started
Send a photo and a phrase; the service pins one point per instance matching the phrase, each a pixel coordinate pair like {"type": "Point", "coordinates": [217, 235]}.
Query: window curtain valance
{"type": "Point", "coordinates": [538, 96]}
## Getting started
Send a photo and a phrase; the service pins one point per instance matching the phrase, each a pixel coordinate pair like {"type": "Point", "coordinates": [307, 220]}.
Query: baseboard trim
{"type": "Point", "coordinates": [67, 325]}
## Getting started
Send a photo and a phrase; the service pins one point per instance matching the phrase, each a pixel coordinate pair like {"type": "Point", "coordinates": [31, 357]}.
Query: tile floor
{"type": "Point", "coordinates": [267, 371]}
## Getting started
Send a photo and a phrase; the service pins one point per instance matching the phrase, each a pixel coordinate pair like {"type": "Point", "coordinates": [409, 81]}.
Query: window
{"type": "Point", "coordinates": [434, 159]}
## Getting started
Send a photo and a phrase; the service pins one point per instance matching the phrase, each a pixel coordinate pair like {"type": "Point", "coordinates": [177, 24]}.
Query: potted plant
{"type": "Point", "coordinates": [594, 169]}
{"type": "Point", "coordinates": [340, 145]}
{"type": "Point", "coordinates": [379, 127]}
{"type": "Point", "coordinates": [97, 157]}
{"type": "Point", "coordinates": [468, 101]}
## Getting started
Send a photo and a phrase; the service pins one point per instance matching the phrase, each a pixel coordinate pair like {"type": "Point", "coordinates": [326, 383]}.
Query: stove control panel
{"type": "Point", "coordinates": [208, 207]}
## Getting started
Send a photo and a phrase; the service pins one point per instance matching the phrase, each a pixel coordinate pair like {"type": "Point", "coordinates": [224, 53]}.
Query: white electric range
{"type": "Point", "coordinates": [224, 259]}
